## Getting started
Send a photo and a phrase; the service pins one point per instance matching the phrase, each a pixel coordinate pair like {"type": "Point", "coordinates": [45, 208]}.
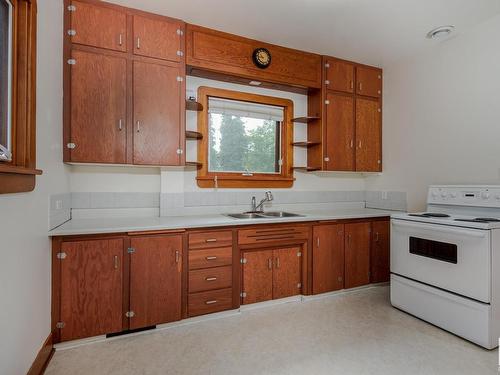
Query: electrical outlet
{"type": "Point", "coordinates": [384, 195]}
{"type": "Point", "coordinates": [59, 204]}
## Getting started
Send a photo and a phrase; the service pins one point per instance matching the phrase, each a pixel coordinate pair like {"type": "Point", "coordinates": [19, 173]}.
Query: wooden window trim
{"type": "Point", "coordinates": [19, 174]}
{"type": "Point", "coordinates": [206, 179]}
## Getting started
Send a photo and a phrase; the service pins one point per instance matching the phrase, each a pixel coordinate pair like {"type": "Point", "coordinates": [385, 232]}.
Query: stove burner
{"type": "Point", "coordinates": [480, 220]}
{"type": "Point", "coordinates": [430, 214]}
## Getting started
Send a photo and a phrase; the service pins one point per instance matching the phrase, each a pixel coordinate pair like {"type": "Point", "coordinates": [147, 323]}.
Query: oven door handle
{"type": "Point", "coordinates": [437, 228]}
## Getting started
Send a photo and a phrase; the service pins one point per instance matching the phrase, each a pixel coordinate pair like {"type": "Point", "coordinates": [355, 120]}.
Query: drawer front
{"type": "Point", "coordinates": [210, 258]}
{"type": "Point", "coordinates": [211, 278]}
{"type": "Point", "coordinates": [210, 239]}
{"type": "Point", "coordinates": [253, 236]}
{"type": "Point", "coordinates": [210, 302]}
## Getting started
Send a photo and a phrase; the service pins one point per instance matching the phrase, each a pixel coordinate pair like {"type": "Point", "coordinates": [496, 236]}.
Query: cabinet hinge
{"type": "Point", "coordinates": [327, 82]}
{"type": "Point", "coordinates": [130, 250]}
{"type": "Point", "coordinates": [71, 146]}
{"type": "Point", "coordinates": [71, 61]}
{"type": "Point", "coordinates": [71, 32]}
{"type": "Point", "coordinates": [243, 294]}
{"type": "Point", "coordinates": [179, 151]}
{"type": "Point", "coordinates": [180, 79]}
{"type": "Point", "coordinates": [243, 260]}
{"type": "Point", "coordinates": [180, 53]}
{"type": "Point", "coordinates": [299, 285]}
{"type": "Point", "coordinates": [60, 325]}
{"type": "Point", "coordinates": [280, 162]}
{"type": "Point", "coordinates": [130, 314]}
{"type": "Point", "coordinates": [379, 76]}
{"type": "Point", "coordinates": [327, 65]}
{"type": "Point", "coordinates": [180, 32]}
{"type": "Point", "coordinates": [379, 108]}
{"type": "Point", "coordinates": [299, 254]}
{"type": "Point", "coordinates": [61, 255]}
{"type": "Point", "coordinates": [379, 161]}
{"type": "Point", "coordinates": [327, 102]}
{"type": "Point", "coordinates": [71, 8]}
{"type": "Point", "coordinates": [327, 159]}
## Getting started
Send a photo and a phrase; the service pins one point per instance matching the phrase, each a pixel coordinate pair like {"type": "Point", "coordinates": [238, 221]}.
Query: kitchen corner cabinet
{"type": "Point", "coordinates": [271, 274]}
{"type": "Point", "coordinates": [339, 76]}
{"type": "Point", "coordinates": [124, 86]}
{"type": "Point", "coordinates": [380, 249]}
{"type": "Point", "coordinates": [368, 135]}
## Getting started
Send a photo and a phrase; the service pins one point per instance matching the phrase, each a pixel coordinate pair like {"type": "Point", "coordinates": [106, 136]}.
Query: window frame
{"type": "Point", "coordinates": [207, 179]}
{"type": "Point", "coordinates": [18, 174]}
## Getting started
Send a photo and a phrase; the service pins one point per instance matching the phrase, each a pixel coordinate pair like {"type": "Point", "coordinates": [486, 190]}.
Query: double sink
{"type": "Point", "coordinates": [263, 215]}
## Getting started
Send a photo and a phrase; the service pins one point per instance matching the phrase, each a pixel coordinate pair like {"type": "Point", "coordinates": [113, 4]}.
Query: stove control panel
{"type": "Point", "coordinates": [477, 196]}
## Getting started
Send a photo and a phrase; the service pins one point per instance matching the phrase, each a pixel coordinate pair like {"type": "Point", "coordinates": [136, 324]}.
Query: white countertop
{"type": "Point", "coordinates": [131, 224]}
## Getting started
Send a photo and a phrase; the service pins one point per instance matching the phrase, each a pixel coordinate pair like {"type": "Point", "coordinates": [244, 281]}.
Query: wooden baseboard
{"type": "Point", "coordinates": [43, 357]}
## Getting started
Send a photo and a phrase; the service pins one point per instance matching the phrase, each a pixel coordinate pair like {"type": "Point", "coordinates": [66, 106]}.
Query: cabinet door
{"type": "Point", "coordinates": [257, 276]}
{"type": "Point", "coordinates": [340, 76]}
{"type": "Point", "coordinates": [328, 258]}
{"type": "Point", "coordinates": [157, 118]}
{"type": "Point", "coordinates": [287, 278]}
{"type": "Point", "coordinates": [99, 26]}
{"type": "Point", "coordinates": [339, 151]}
{"type": "Point", "coordinates": [369, 81]}
{"type": "Point", "coordinates": [379, 263]}
{"type": "Point", "coordinates": [155, 280]}
{"type": "Point", "coordinates": [357, 254]}
{"type": "Point", "coordinates": [368, 136]}
{"type": "Point", "coordinates": [91, 288]}
{"type": "Point", "coordinates": [158, 38]}
{"type": "Point", "coordinates": [98, 108]}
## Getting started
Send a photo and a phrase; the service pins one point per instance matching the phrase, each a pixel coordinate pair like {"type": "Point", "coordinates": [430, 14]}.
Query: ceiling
{"type": "Point", "coordinates": [375, 32]}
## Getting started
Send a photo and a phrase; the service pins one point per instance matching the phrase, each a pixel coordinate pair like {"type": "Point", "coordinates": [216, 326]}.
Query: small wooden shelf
{"type": "Point", "coordinates": [193, 164]}
{"type": "Point", "coordinates": [306, 119]}
{"type": "Point", "coordinates": [306, 169]}
{"type": "Point", "coordinates": [306, 144]}
{"type": "Point", "coordinates": [191, 105]}
{"type": "Point", "coordinates": [193, 135]}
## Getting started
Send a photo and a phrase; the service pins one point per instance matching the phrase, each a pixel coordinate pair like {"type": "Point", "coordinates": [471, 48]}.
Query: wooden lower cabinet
{"type": "Point", "coordinates": [155, 280]}
{"type": "Point", "coordinates": [379, 258]}
{"type": "Point", "coordinates": [328, 258]}
{"type": "Point", "coordinates": [271, 274]}
{"type": "Point", "coordinates": [91, 288]}
{"type": "Point", "coordinates": [357, 254]}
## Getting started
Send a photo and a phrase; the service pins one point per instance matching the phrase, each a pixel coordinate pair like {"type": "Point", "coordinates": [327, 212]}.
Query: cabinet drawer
{"type": "Point", "coordinates": [209, 302]}
{"type": "Point", "coordinates": [210, 239]}
{"type": "Point", "coordinates": [253, 236]}
{"type": "Point", "coordinates": [210, 258]}
{"type": "Point", "coordinates": [209, 279]}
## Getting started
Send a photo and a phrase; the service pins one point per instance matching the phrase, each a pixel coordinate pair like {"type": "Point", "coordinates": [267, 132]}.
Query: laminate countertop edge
{"type": "Point", "coordinates": [131, 224]}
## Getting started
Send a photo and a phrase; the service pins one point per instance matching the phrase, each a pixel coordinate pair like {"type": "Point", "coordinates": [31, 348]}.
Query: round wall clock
{"type": "Point", "coordinates": [261, 58]}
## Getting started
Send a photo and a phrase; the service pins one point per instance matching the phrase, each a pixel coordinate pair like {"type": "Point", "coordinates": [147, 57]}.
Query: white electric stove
{"type": "Point", "coordinates": [445, 262]}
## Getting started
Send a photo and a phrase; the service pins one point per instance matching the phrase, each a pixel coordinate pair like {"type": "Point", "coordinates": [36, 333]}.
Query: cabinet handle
{"type": "Point", "coordinates": [211, 240]}
{"type": "Point", "coordinates": [120, 124]}
{"type": "Point", "coordinates": [277, 262]}
{"type": "Point", "coordinates": [359, 144]}
{"type": "Point", "coordinates": [211, 302]}
{"type": "Point", "coordinates": [120, 40]}
{"type": "Point", "coordinates": [360, 86]}
{"type": "Point", "coordinates": [210, 279]}
{"type": "Point", "coordinates": [317, 241]}
{"type": "Point", "coordinates": [138, 43]}
{"type": "Point", "coordinates": [177, 256]}
{"type": "Point", "coordinates": [138, 123]}
{"type": "Point", "coordinates": [211, 258]}
{"type": "Point", "coordinates": [376, 236]}
{"type": "Point", "coordinates": [351, 84]}
{"type": "Point", "coordinates": [352, 143]}
{"type": "Point", "coordinates": [116, 262]}
{"type": "Point", "coordinates": [349, 238]}
{"type": "Point", "coordinates": [270, 263]}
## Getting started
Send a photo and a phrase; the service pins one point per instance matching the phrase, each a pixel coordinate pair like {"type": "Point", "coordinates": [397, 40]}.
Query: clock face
{"type": "Point", "coordinates": [261, 58]}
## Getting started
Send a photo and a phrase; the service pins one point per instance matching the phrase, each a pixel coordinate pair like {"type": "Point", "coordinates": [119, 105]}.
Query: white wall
{"type": "Point", "coordinates": [442, 116]}
{"type": "Point", "coordinates": [24, 245]}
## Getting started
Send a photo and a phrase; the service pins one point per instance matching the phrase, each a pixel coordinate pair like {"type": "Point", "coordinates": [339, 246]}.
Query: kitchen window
{"type": "Point", "coordinates": [245, 140]}
{"type": "Point", "coordinates": [17, 96]}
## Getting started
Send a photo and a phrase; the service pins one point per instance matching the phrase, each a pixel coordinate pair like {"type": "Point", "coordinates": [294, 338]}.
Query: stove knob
{"type": "Point", "coordinates": [453, 195]}
{"type": "Point", "coordinates": [444, 194]}
{"type": "Point", "coordinates": [485, 195]}
{"type": "Point", "coordinates": [498, 196]}
{"type": "Point", "coordinates": [434, 194]}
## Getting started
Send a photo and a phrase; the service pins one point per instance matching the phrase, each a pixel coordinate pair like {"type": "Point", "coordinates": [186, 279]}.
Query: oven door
{"type": "Point", "coordinates": [452, 258]}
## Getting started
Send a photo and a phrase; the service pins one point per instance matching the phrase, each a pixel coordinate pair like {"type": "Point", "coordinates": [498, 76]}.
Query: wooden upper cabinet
{"type": "Point", "coordinates": [328, 258]}
{"type": "Point", "coordinates": [98, 108]}
{"type": "Point", "coordinates": [357, 254]}
{"type": "Point", "coordinates": [339, 147]}
{"type": "Point", "coordinates": [287, 272]}
{"type": "Point", "coordinates": [98, 26]}
{"type": "Point", "coordinates": [368, 81]}
{"type": "Point", "coordinates": [257, 276]}
{"type": "Point", "coordinates": [230, 54]}
{"type": "Point", "coordinates": [155, 280]}
{"type": "Point", "coordinates": [157, 114]}
{"type": "Point", "coordinates": [368, 136]}
{"type": "Point", "coordinates": [91, 288]}
{"type": "Point", "coordinates": [159, 38]}
{"type": "Point", "coordinates": [380, 250]}
{"type": "Point", "coordinates": [339, 75]}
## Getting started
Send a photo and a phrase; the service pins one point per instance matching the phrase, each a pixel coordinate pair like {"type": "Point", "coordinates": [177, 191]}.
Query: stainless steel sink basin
{"type": "Point", "coordinates": [263, 215]}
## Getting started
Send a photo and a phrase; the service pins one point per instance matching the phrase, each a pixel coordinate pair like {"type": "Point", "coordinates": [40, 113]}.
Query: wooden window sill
{"type": "Point", "coordinates": [11, 169]}
{"type": "Point", "coordinates": [245, 182]}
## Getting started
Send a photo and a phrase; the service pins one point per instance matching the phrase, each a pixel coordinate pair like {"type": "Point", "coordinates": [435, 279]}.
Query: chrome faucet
{"type": "Point", "coordinates": [259, 207]}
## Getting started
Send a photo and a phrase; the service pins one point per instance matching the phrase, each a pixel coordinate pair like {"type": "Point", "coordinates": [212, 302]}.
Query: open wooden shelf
{"type": "Point", "coordinates": [306, 119]}
{"type": "Point", "coordinates": [306, 144]}
{"type": "Point", "coordinates": [191, 105]}
{"type": "Point", "coordinates": [193, 164]}
{"type": "Point", "coordinates": [306, 169]}
{"type": "Point", "coordinates": [193, 135]}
